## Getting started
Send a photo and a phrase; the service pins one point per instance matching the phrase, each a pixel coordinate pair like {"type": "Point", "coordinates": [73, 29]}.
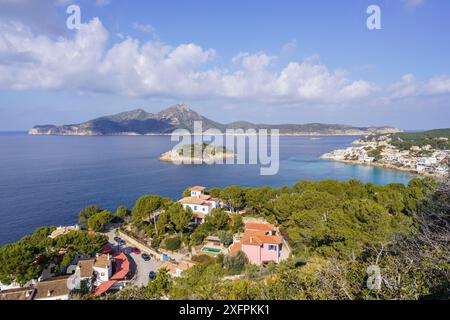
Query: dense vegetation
{"type": "Point", "coordinates": [339, 232]}
{"type": "Point", "coordinates": [26, 259]}
{"type": "Point", "coordinates": [197, 150]}
{"type": "Point", "coordinates": [171, 229]}
{"type": "Point", "coordinates": [438, 139]}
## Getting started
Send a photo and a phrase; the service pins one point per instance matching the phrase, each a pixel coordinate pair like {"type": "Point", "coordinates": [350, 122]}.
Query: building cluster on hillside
{"type": "Point", "coordinates": [423, 160]}
{"type": "Point", "coordinates": [93, 274]}
{"type": "Point", "coordinates": [103, 272]}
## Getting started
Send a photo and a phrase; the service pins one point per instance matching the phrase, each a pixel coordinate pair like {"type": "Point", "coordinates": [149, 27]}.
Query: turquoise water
{"type": "Point", "coordinates": [46, 180]}
{"type": "Point", "coordinates": [211, 250]}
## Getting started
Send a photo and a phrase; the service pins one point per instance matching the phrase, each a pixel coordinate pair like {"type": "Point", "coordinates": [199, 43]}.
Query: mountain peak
{"type": "Point", "coordinates": [178, 108]}
{"type": "Point", "coordinates": [182, 107]}
{"type": "Point", "coordinates": [137, 114]}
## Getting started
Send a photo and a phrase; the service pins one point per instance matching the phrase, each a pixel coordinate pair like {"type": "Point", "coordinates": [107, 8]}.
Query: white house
{"type": "Point", "coordinates": [200, 203]}
{"type": "Point", "coordinates": [99, 267]}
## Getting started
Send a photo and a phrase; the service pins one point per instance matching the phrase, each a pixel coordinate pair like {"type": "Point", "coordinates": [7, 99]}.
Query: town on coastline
{"type": "Point", "coordinates": [427, 157]}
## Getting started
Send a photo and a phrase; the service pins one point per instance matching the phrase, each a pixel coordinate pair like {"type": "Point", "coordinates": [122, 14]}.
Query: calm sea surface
{"type": "Point", "coordinates": [46, 180]}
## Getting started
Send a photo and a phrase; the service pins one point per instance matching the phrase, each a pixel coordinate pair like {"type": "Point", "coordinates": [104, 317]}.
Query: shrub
{"type": "Point", "coordinates": [173, 244]}
{"type": "Point", "coordinates": [197, 238]}
{"type": "Point", "coordinates": [202, 258]}
{"type": "Point", "coordinates": [226, 238]}
{"type": "Point", "coordinates": [156, 242]}
{"type": "Point", "coordinates": [122, 212]}
{"type": "Point", "coordinates": [236, 263]}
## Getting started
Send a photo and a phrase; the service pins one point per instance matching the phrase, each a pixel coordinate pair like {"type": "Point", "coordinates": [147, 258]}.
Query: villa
{"type": "Point", "coordinates": [261, 242]}
{"type": "Point", "coordinates": [99, 267]}
{"type": "Point", "coordinates": [200, 203]}
{"type": "Point", "coordinates": [107, 272]}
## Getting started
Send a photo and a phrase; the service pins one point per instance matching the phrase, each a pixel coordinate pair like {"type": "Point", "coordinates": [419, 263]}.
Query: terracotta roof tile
{"type": "Point", "coordinates": [259, 226]}
{"type": "Point", "coordinates": [198, 188]}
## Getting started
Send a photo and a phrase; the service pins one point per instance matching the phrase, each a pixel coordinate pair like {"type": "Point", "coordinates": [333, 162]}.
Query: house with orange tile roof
{"type": "Point", "coordinates": [200, 203]}
{"type": "Point", "coordinates": [261, 242]}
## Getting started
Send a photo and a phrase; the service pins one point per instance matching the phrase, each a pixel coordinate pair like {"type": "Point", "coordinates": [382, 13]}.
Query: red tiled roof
{"type": "Point", "coordinates": [235, 248]}
{"type": "Point", "coordinates": [122, 267]}
{"type": "Point", "coordinates": [104, 287]}
{"type": "Point", "coordinates": [258, 238]}
{"type": "Point", "coordinates": [198, 188]}
{"type": "Point", "coordinates": [259, 226]}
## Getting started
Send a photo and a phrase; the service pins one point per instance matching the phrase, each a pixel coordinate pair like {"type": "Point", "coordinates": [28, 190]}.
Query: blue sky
{"type": "Point", "coordinates": [262, 61]}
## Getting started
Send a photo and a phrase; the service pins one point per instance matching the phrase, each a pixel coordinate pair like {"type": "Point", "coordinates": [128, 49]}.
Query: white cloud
{"type": "Point", "coordinates": [102, 3]}
{"type": "Point", "coordinates": [146, 28]}
{"type": "Point", "coordinates": [409, 87]}
{"type": "Point", "coordinates": [413, 3]}
{"type": "Point", "coordinates": [43, 16]}
{"type": "Point", "coordinates": [132, 68]}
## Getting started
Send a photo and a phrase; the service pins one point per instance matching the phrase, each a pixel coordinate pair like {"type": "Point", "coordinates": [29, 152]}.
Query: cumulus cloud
{"type": "Point", "coordinates": [413, 3]}
{"type": "Point", "coordinates": [102, 3]}
{"type": "Point", "coordinates": [409, 87]}
{"type": "Point", "coordinates": [146, 28]}
{"type": "Point", "coordinates": [86, 63]}
{"type": "Point", "coordinates": [43, 16]}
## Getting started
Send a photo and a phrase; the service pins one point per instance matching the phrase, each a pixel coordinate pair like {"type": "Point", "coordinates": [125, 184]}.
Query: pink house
{"type": "Point", "coordinates": [261, 243]}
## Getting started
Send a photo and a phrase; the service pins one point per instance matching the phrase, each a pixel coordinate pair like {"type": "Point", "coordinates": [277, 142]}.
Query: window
{"type": "Point", "coordinates": [204, 209]}
{"type": "Point", "coordinates": [195, 207]}
{"type": "Point", "coordinates": [272, 247]}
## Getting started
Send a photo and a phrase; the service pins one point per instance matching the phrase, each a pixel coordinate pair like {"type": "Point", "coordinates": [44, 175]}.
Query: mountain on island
{"type": "Point", "coordinates": [140, 122]}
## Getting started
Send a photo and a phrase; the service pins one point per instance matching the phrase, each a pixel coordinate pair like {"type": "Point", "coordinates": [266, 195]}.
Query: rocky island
{"type": "Point", "coordinates": [424, 153]}
{"type": "Point", "coordinates": [197, 154]}
{"type": "Point", "coordinates": [140, 122]}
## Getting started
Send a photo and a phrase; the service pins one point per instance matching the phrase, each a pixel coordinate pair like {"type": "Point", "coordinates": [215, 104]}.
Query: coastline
{"type": "Point", "coordinates": [312, 134]}
{"type": "Point", "coordinates": [375, 164]}
{"type": "Point", "coordinates": [385, 166]}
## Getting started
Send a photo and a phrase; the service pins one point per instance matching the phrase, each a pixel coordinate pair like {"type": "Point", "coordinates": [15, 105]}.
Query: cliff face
{"type": "Point", "coordinates": [140, 122]}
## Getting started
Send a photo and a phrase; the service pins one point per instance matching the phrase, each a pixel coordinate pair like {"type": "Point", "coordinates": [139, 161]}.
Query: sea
{"type": "Point", "coordinates": [47, 180]}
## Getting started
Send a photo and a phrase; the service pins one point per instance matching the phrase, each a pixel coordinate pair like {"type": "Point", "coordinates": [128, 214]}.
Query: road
{"type": "Point", "coordinates": [140, 268]}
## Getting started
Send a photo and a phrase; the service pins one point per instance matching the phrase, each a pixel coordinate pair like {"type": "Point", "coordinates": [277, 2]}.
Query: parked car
{"type": "Point", "coordinates": [121, 242]}
{"type": "Point", "coordinates": [145, 256]}
{"type": "Point", "coordinates": [152, 275]}
{"type": "Point", "coordinates": [117, 239]}
{"type": "Point", "coordinates": [135, 251]}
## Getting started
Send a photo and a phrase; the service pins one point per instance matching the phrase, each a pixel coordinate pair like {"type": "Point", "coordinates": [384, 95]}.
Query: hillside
{"type": "Point", "coordinates": [140, 122]}
{"type": "Point", "coordinates": [438, 139]}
